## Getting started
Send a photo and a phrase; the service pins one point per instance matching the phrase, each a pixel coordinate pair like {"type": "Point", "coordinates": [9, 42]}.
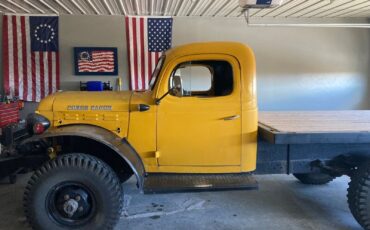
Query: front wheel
{"type": "Point", "coordinates": [313, 178]}
{"type": "Point", "coordinates": [73, 191]}
{"type": "Point", "coordinates": [359, 195]}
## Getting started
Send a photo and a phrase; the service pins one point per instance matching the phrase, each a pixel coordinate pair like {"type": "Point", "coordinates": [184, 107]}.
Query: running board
{"type": "Point", "coordinates": [168, 183]}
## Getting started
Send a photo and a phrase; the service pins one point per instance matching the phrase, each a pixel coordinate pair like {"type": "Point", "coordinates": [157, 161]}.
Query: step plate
{"type": "Point", "coordinates": [167, 183]}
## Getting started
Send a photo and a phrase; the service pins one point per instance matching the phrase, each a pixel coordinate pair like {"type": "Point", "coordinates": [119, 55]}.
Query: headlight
{"type": "Point", "coordinates": [37, 124]}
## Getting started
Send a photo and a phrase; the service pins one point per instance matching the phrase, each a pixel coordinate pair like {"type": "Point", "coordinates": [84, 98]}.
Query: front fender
{"type": "Point", "coordinates": [103, 136]}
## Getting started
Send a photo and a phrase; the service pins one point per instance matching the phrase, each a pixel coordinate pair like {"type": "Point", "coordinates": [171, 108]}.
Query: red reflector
{"type": "Point", "coordinates": [20, 105]}
{"type": "Point", "coordinates": [38, 128]}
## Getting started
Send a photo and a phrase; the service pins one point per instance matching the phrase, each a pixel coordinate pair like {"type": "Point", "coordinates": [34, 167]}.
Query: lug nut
{"type": "Point", "coordinates": [66, 197]}
{"type": "Point", "coordinates": [78, 198]}
{"type": "Point", "coordinates": [80, 209]}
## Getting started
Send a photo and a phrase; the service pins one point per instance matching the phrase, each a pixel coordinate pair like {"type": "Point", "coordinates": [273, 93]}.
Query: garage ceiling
{"type": "Point", "coordinates": [205, 8]}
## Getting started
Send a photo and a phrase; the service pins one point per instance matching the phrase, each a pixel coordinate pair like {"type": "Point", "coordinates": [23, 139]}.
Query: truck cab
{"type": "Point", "coordinates": [200, 96]}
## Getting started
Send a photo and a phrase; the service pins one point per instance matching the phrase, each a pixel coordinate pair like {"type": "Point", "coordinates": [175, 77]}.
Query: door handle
{"type": "Point", "coordinates": [231, 118]}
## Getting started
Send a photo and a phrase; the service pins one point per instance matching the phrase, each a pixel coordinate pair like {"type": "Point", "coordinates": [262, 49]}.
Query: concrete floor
{"type": "Point", "coordinates": [280, 203]}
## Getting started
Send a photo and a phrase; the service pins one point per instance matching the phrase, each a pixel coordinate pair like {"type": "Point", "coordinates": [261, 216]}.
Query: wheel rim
{"type": "Point", "coordinates": [71, 203]}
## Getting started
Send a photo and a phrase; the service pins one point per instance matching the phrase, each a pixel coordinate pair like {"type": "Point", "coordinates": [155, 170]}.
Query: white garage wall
{"type": "Point", "coordinates": [297, 68]}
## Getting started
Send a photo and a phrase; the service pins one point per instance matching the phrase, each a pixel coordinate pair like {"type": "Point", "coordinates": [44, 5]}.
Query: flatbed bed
{"type": "Point", "coordinates": [309, 141]}
{"type": "Point", "coordinates": [307, 127]}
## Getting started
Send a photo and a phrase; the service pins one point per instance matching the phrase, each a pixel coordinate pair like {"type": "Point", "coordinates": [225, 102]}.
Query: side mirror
{"type": "Point", "coordinates": [177, 89]}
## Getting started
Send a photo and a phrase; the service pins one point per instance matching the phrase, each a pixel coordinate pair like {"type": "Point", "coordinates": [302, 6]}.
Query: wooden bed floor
{"type": "Point", "coordinates": [317, 121]}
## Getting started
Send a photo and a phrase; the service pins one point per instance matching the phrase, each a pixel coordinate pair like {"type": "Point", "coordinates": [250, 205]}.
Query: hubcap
{"type": "Point", "coordinates": [71, 203]}
{"type": "Point", "coordinates": [70, 207]}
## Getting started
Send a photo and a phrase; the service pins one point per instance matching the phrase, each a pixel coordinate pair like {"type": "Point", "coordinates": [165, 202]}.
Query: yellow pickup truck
{"type": "Point", "coordinates": [197, 128]}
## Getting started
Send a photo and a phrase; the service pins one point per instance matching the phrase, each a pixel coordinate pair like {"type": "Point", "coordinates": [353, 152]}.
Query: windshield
{"type": "Point", "coordinates": [156, 72]}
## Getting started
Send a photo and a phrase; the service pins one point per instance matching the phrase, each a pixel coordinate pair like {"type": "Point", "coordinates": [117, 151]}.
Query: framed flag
{"type": "Point", "coordinates": [96, 61]}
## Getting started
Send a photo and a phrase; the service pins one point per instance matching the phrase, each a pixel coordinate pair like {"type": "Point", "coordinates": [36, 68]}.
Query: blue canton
{"type": "Point", "coordinates": [44, 33]}
{"type": "Point", "coordinates": [159, 34]}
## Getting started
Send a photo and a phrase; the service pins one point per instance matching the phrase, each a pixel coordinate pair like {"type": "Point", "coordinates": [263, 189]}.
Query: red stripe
{"type": "Point", "coordinates": [15, 56]}
{"type": "Point", "coordinates": [6, 54]}
{"type": "Point", "coordinates": [135, 52]}
{"type": "Point", "coordinates": [96, 67]}
{"type": "Point", "coordinates": [95, 63]}
{"type": "Point", "coordinates": [128, 48]}
{"type": "Point", "coordinates": [142, 53]}
{"type": "Point", "coordinates": [24, 57]}
{"type": "Point", "coordinates": [33, 66]}
{"type": "Point", "coordinates": [156, 57]}
{"type": "Point", "coordinates": [42, 75]}
{"type": "Point", "coordinates": [102, 52]}
{"type": "Point", "coordinates": [102, 58]}
{"type": "Point", "coordinates": [50, 72]}
{"type": "Point", "coordinates": [57, 70]}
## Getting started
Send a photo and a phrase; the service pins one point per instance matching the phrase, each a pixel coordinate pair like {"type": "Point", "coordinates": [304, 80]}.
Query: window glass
{"type": "Point", "coordinates": [195, 77]}
{"type": "Point", "coordinates": [157, 70]}
{"type": "Point", "coordinates": [204, 78]}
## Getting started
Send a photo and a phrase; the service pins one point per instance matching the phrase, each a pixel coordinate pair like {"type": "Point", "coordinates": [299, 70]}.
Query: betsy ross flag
{"type": "Point", "coordinates": [30, 56]}
{"type": "Point", "coordinates": [96, 61]}
{"type": "Point", "coordinates": [147, 38]}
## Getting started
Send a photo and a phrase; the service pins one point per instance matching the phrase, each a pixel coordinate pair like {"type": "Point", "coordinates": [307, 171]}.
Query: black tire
{"type": "Point", "coordinates": [314, 178]}
{"type": "Point", "coordinates": [359, 195]}
{"type": "Point", "coordinates": [72, 178]}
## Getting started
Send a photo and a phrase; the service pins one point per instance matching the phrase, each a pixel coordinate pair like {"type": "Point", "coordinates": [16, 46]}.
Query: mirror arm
{"type": "Point", "coordinates": [158, 100]}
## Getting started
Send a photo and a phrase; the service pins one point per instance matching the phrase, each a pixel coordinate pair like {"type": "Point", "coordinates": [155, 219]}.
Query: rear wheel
{"type": "Point", "coordinates": [314, 178]}
{"type": "Point", "coordinates": [74, 191]}
{"type": "Point", "coordinates": [359, 195]}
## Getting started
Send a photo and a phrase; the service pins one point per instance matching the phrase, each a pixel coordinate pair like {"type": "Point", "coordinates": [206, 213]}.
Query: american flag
{"type": "Point", "coordinates": [147, 38]}
{"type": "Point", "coordinates": [96, 61]}
{"type": "Point", "coordinates": [30, 56]}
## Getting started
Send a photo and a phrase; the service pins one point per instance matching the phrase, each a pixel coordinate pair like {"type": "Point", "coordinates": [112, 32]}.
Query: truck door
{"type": "Point", "coordinates": [201, 126]}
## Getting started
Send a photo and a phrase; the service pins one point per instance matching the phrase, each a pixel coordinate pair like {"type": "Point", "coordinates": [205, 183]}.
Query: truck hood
{"type": "Point", "coordinates": [87, 101]}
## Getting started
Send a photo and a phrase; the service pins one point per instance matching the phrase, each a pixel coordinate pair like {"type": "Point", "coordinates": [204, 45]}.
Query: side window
{"type": "Point", "coordinates": [204, 78]}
